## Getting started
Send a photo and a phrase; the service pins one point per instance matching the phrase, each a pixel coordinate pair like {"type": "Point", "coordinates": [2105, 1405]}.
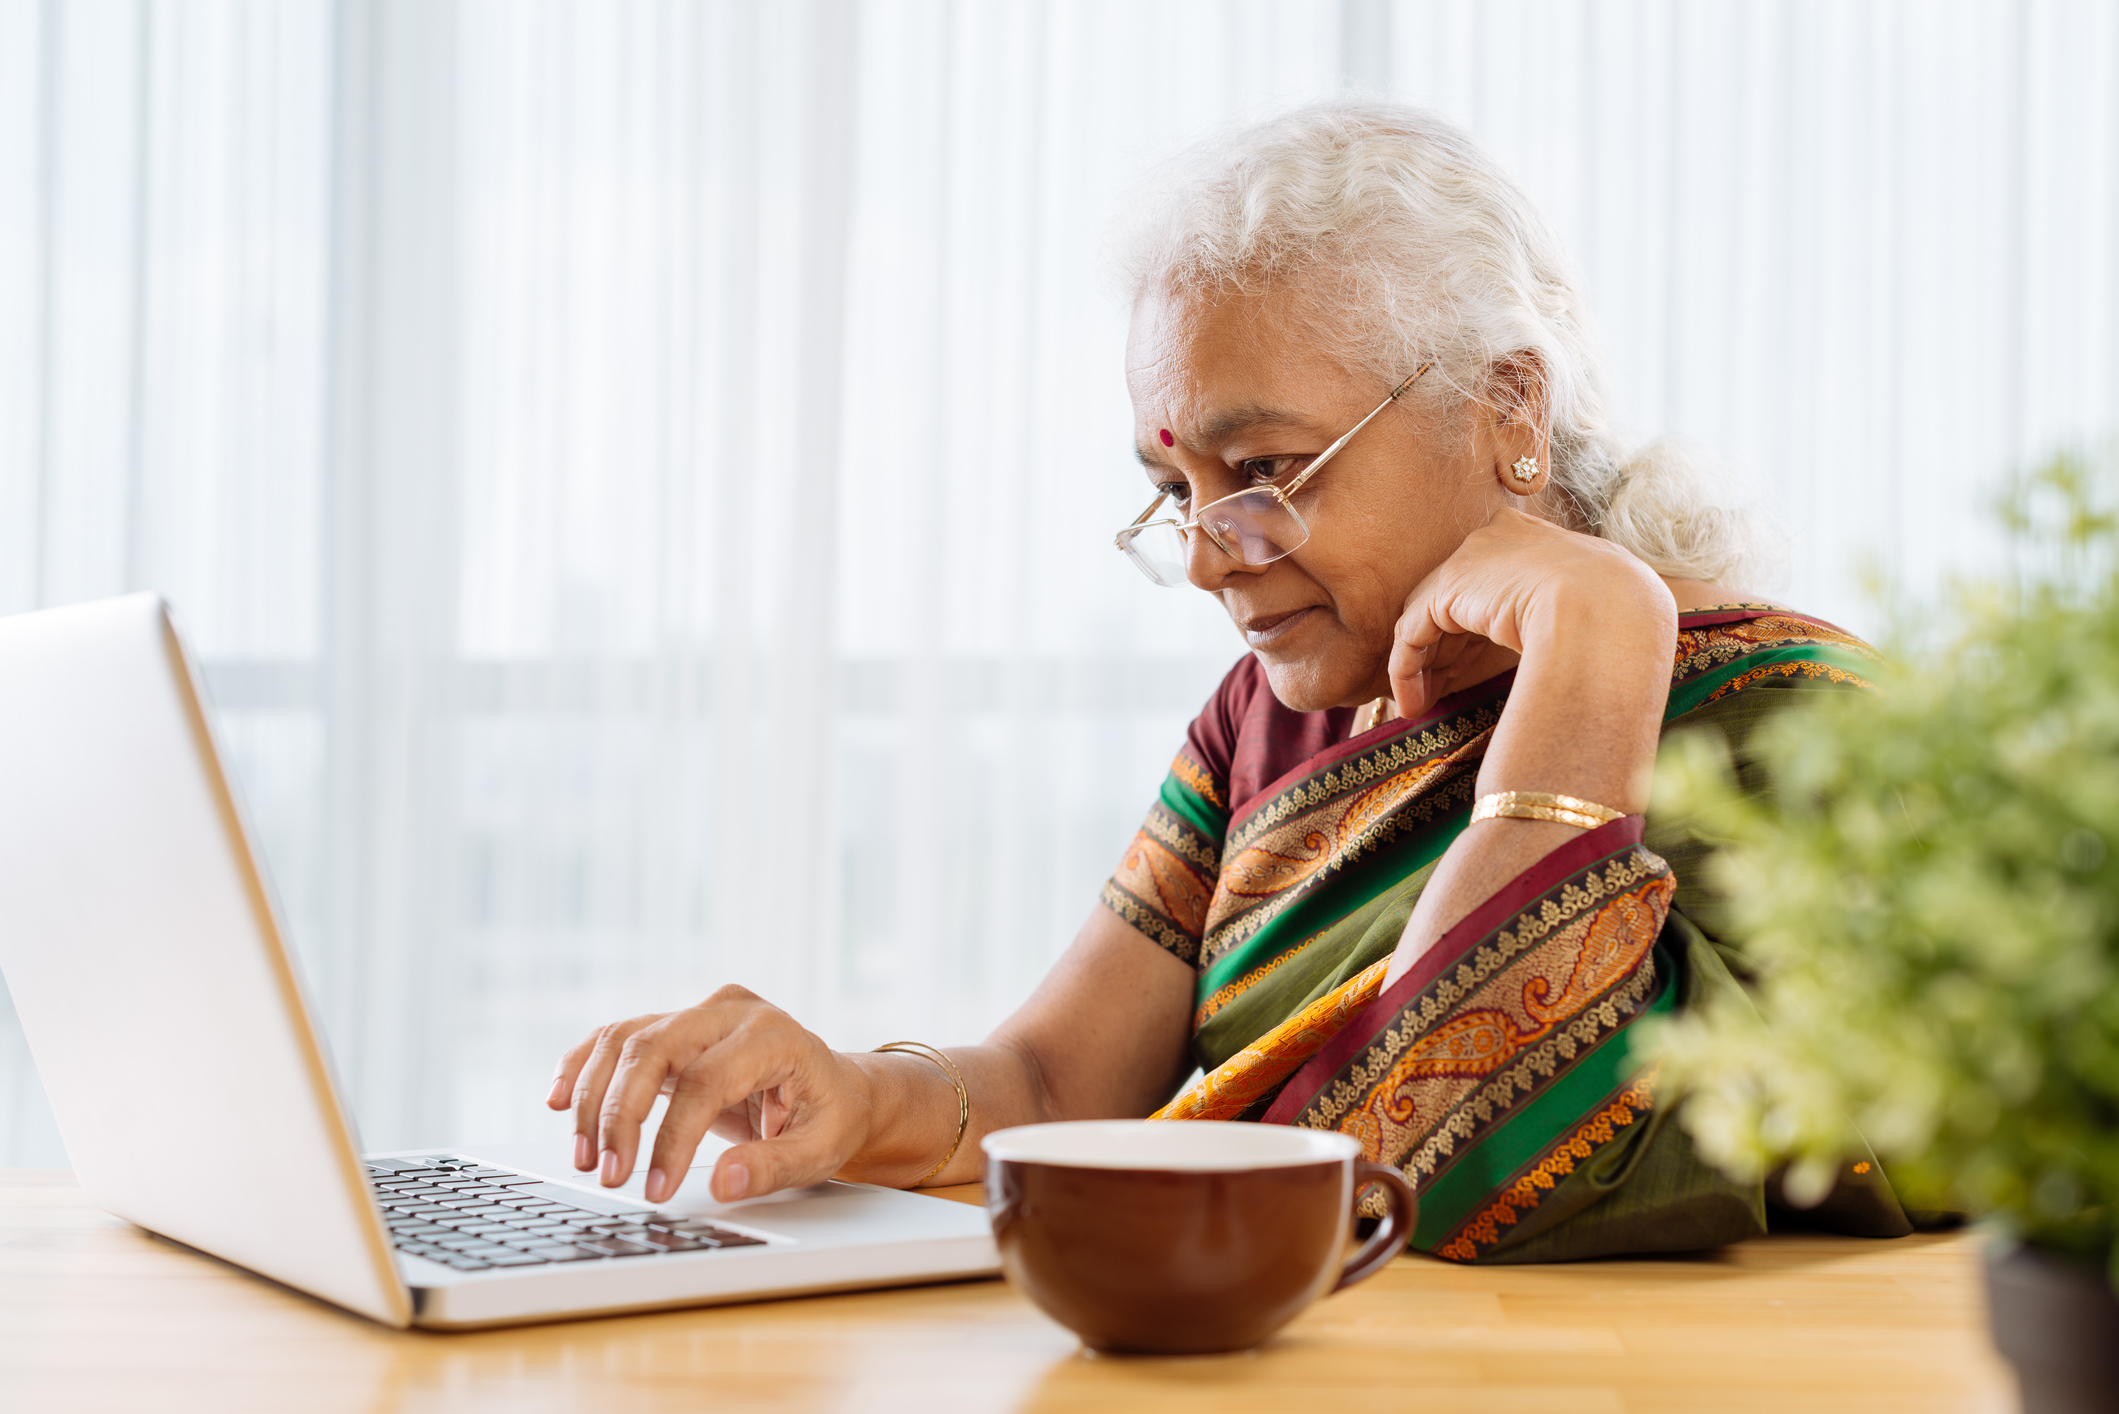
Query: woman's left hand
{"type": "Point", "coordinates": [1516, 586]}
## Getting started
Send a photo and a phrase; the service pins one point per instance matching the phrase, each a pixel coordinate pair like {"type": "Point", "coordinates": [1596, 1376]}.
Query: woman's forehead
{"type": "Point", "coordinates": [1213, 369]}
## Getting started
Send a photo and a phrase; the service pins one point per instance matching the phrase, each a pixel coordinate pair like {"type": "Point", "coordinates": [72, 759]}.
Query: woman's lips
{"type": "Point", "coordinates": [1261, 630]}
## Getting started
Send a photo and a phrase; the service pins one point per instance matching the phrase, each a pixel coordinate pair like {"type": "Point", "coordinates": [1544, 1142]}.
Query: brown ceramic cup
{"type": "Point", "coordinates": [1183, 1237]}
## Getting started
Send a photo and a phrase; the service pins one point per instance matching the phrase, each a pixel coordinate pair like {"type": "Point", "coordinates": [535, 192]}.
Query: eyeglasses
{"type": "Point", "coordinates": [1254, 527]}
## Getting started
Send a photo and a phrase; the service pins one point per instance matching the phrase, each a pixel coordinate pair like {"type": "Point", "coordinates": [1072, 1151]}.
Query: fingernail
{"type": "Point", "coordinates": [610, 1168]}
{"type": "Point", "coordinates": [559, 1090]}
{"type": "Point", "coordinates": [734, 1181]}
{"type": "Point", "coordinates": [584, 1156]}
{"type": "Point", "coordinates": [655, 1180]}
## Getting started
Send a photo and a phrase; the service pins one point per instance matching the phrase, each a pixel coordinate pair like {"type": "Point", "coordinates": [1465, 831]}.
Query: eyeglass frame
{"type": "Point", "coordinates": [1283, 495]}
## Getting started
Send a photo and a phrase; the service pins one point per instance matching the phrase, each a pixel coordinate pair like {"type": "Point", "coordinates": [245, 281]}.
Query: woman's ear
{"type": "Point", "coordinates": [1518, 441]}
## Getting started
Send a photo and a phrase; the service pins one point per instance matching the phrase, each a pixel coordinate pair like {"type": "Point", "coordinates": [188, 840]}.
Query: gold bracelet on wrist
{"type": "Point", "coordinates": [963, 1096]}
{"type": "Point", "coordinates": [1537, 805]}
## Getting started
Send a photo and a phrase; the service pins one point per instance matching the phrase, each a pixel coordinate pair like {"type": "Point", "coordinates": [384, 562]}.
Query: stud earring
{"type": "Point", "coordinates": [1526, 469]}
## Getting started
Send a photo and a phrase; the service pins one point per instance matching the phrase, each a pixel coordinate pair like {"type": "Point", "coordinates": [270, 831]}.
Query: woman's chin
{"type": "Point", "coordinates": [1306, 684]}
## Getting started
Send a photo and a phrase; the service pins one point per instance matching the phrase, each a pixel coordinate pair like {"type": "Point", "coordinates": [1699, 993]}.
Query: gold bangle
{"type": "Point", "coordinates": [963, 1096]}
{"type": "Point", "coordinates": [1537, 805]}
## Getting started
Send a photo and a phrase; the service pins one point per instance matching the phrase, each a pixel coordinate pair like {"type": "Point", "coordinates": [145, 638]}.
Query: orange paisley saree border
{"type": "Point", "coordinates": [1790, 670]}
{"type": "Point", "coordinates": [1466, 1038]}
{"type": "Point", "coordinates": [1702, 650]}
{"type": "Point", "coordinates": [1200, 780]}
{"type": "Point", "coordinates": [1481, 1232]}
{"type": "Point", "coordinates": [1335, 819]}
{"type": "Point", "coordinates": [1503, 1005]}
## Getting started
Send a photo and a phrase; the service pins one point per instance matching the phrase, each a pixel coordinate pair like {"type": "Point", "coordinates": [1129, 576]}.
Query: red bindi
{"type": "Point", "coordinates": [1168, 440]}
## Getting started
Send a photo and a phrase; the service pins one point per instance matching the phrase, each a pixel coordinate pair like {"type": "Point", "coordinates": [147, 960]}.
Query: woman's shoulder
{"type": "Point", "coordinates": [1727, 649]}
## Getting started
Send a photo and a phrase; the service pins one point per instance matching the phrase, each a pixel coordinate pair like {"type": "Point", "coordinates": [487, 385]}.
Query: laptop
{"type": "Point", "coordinates": [149, 964]}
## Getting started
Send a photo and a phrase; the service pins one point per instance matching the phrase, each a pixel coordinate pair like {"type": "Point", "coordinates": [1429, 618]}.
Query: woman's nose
{"type": "Point", "coordinates": [1207, 565]}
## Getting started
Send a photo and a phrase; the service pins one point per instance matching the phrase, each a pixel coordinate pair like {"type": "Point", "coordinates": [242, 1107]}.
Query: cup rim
{"type": "Point", "coordinates": [1183, 1146]}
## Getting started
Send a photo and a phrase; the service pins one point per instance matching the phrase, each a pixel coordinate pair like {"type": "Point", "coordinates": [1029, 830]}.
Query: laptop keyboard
{"type": "Point", "coordinates": [470, 1217]}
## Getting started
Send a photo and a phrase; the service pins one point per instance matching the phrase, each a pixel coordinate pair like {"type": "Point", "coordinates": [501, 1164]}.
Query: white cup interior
{"type": "Point", "coordinates": [1194, 1146]}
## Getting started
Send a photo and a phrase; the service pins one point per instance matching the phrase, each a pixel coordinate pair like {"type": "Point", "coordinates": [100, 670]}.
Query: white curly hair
{"type": "Point", "coordinates": [1403, 241]}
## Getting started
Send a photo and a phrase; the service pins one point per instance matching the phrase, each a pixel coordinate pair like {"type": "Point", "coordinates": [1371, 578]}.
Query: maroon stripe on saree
{"type": "Point", "coordinates": [1503, 904]}
{"type": "Point", "coordinates": [1715, 618]}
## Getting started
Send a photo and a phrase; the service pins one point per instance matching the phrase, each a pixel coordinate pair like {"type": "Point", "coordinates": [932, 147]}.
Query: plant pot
{"type": "Point", "coordinates": [2057, 1322]}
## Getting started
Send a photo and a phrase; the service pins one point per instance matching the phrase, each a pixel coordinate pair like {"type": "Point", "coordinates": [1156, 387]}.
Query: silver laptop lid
{"type": "Point", "coordinates": [148, 963]}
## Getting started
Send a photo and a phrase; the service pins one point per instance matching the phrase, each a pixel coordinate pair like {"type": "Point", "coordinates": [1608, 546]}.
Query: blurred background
{"type": "Point", "coordinates": [640, 473]}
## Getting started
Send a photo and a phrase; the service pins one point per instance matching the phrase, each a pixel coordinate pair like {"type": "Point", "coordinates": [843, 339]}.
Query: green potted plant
{"type": "Point", "coordinates": [1928, 900]}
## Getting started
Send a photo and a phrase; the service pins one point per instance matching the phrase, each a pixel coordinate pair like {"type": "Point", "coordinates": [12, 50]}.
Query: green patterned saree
{"type": "Point", "coordinates": [1283, 859]}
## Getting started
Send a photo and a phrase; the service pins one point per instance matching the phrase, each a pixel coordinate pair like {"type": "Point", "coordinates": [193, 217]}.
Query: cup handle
{"type": "Point", "coordinates": [1396, 1229]}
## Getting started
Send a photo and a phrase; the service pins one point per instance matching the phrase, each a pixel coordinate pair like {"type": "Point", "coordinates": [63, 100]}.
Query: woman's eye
{"type": "Point", "coordinates": [1260, 470]}
{"type": "Point", "coordinates": [1177, 491]}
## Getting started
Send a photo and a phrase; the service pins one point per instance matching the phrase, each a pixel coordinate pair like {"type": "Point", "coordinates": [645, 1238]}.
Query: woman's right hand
{"type": "Point", "coordinates": [795, 1109]}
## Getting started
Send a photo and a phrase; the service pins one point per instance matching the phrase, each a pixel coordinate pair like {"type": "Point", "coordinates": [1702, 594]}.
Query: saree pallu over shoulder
{"type": "Point", "coordinates": [1500, 1057]}
{"type": "Point", "coordinates": [1723, 651]}
{"type": "Point", "coordinates": [1495, 1073]}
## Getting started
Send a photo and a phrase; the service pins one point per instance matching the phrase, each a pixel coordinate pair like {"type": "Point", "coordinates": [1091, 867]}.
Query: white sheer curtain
{"type": "Point", "coordinates": [640, 474]}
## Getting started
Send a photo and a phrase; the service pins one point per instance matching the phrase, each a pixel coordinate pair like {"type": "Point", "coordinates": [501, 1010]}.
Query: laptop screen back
{"type": "Point", "coordinates": [147, 962]}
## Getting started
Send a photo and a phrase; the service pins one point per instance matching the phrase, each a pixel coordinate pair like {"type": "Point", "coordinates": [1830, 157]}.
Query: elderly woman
{"type": "Point", "coordinates": [1399, 881]}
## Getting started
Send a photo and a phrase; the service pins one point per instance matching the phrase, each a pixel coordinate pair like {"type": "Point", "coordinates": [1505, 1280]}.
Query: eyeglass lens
{"type": "Point", "coordinates": [1253, 527]}
{"type": "Point", "coordinates": [1256, 527]}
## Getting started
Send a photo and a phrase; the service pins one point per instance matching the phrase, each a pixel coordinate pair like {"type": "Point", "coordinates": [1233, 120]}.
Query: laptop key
{"type": "Point", "coordinates": [675, 1241]}
{"type": "Point", "coordinates": [700, 1227]}
{"type": "Point", "coordinates": [515, 1259]}
{"type": "Point", "coordinates": [614, 1247]}
{"type": "Point", "coordinates": [596, 1203]}
{"type": "Point", "coordinates": [563, 1252]}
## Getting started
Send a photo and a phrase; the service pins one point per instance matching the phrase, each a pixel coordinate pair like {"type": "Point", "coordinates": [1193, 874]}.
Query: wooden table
{"type": "Point", "coordinates": [96, 1314]}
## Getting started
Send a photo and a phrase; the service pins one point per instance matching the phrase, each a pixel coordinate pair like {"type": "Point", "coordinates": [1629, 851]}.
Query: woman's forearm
{"type": "Point", "coordinates": [1583, 719]}
{"type": "Point", "coordinates": [1586, 709]}
{"type": "Point", "coordinates": [915, 1112]}
{"type": "Point", "coordinates": [1105, 1036]}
